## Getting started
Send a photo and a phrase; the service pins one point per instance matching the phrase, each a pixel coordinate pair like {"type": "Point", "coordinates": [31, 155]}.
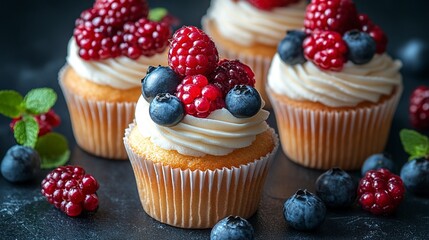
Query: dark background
{"type": "Point", "coordinates": [33, 47]}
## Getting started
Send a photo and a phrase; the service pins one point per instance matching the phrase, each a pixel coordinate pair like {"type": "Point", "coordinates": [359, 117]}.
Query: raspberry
{"type": "Point", "coordinates": [117, 12]}
{"type": "Point", "coordinates": [230, 73]}
{"type": "Point", "coordinates": [198, 96]}
{"type": "Point", "coordinates": [380, 191]}
{"type": "Point", "coordinates": [326, 49]}
{"type": "Point", "coordinates": [380, 38]}
{"type": "Point", "coordinates": [268, 5]}
{"type": "Point", "coordinates": [144, 37]}
{"type": "Point", "coordinates": [331, 15]}
{"type": "Point", "coordinates": [71, 190]}
{"type": "Point", "coordinates": [192, 52]}
{"type": "Point", "coordinates": [419, 108]}
{"type": "Point", "coordinates": [46, 122]}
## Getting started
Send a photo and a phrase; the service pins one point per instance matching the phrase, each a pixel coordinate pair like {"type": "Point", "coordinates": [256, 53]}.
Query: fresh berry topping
{"type": "Point", "coordinates": [377, 161]}
{"type": "Point", "coordinates": [117, 12]}
{"type": "Point", "coordinates": [20, 164]}
{"type": "Point", "coordinates": [230, 73]}
{"type": "Point", "coordinates": [270, 4]}
{"type": "Point", "coordinates": [144, 37]}
{"type": "Point", "coordinates": [166, 110]}
{"type": "Point", "coordinates": [326, 49]}
{"type": "Point", "coordinates": [419, 107]}
{"type": "Point", "coordinates": [232, 227]}
{"type": "Point", "coordinates": [198, 96]}
{"type": "Point", "coordinates": [380, 38]}
{"type": "Point", "coordinates": [243, 101]}
{"type": "Point", "coordinates": [304, 211]}
{"type": "Point", "coordinates": [192, 52]}
{"type": "Point", "coordinates": [361, 46]}
{"type": "Point", "coordinates": [46, 122]}
{"type": "Point", "coordinates": [336, 188]}
{"type": "Point", "coordinates": [72, 191]}
{"type": "Point", "coordinates": [415, 174]}
{"type": "Point", "coordinates": [159, 80]}
{"type": "Point", "coordinates": [331, 15]}
{"type": "Point", "coordinates": [290, 48]}
{"type": "Point", "coordinates": [380, 191]}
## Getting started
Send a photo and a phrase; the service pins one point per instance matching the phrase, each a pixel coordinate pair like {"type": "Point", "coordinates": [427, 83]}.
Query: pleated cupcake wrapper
{"type": "Point", "coordinates": [258, 63]}
{"type": "Point", "coordinates": [196, 198]}
{"type": "Point", "coordinates": [325, 139]}
{"type": "Point", "coordinates": [98, 126]}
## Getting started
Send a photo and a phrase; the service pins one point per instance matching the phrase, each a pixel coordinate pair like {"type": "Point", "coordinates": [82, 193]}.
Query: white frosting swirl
{"type": "Point", "coordinates": [352, 85]}
{"type": "Point", "coordinates": [245, 24]}
{"type": "Point", "coordinates": [218, 134]}
{"type": "Point", "coordinates": [120, 72]}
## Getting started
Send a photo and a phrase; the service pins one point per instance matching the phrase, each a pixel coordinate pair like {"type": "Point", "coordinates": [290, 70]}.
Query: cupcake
{"type": "Point", "coordinates": [334, 90]}
{"type": "Point", "coordinates": [250, 30]}
{"type": "Point", "coordinates": [199, 151]}
{"type": "Point", "coordinates": [106, 59]}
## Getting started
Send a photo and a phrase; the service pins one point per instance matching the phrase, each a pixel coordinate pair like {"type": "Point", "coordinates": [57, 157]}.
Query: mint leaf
{"type": "Point", "coordinates": [25, 131]}
{"type": "Point", "coordinates": [415, 144]}
{"type": "Point", "coordinates": [157, 14]}
{"type": "Point", "coordinates": [10, 103]}
{"type": "Point", "coordinates": [40, 100]}
{"type": "Point", "coordinates": [53, 150]}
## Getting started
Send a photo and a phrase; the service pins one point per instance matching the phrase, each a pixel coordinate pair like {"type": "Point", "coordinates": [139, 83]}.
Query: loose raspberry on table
{"type": "Point", "coordinates": [331, 15]}
{"type": "Point", "coordinates": [198, 96]}
{"type": "Point", "coordinates": [380, 191]}
{"type": "Point", "coordinates": [72, 191]}
{"type": "Point", "coordinates": [117, 12]}
{"type": "Point", "coordinates": [326, 49]}
{"type": "Point", "coordinates": [380, 38]}
{"type": "Point", "coordinates": [230, 73]}
{"type": "Point", "coordinates": [46, 122]}
{"type": "Point", "coordinates": [419, 108]}
{"type": "Point", "coordinates": [192, 52]}
{"type": "Point", "coordinates": [270, 4]}
{"type": "Point", "coordinates": [144, 37]}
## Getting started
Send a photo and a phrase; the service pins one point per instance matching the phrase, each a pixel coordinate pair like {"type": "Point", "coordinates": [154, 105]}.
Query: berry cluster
{"type": "Point", "coordinates": [270, 4]}
{"type": "Point", "coordinates": [197, 83]}
{"type": "Point", "coordinates": [71, 190]}
{"type": "Point", "coordinates": [334, 33]}
{"type": "Point", "coordinates": [46, 122]}
{"type": "Point", "coordinates": [113, 28]}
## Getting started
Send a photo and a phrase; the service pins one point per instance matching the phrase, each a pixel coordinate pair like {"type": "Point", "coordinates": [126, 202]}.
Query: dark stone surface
{"type": "Point", "coordinates": [33, 48]}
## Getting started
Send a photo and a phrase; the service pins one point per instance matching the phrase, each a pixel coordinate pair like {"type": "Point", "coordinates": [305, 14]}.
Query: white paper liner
{"type": "Point", "coordinates": [258, 63]}
{"type": "Point", "coordinates": [325, 139]}
{"type": "Point", "coordinates": [196, 198]}
{"type": "Point", "coordinates": [98, 126]}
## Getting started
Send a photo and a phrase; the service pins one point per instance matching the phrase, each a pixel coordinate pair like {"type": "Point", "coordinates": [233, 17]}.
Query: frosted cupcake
{"type": "Point", "coordinates": [250, 30]}
{"type": "Point", "coordinates": [334, 91]}
{"type": "Point", "coordinates": [198, 154]}
{"type": "Point", "coordinates": [106, 59]}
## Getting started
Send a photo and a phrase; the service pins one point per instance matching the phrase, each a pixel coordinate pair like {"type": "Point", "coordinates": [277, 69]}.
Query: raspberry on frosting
{"type": "Point", "coordinates": [270, 4]}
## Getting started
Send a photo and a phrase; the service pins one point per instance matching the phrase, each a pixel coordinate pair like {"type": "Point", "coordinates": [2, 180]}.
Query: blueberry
{"type": "Point", "coordinates": [233, 228]}
{"type": "Point", "coordinates": [415, 175]}
{"type": "Point", "coordinates": [336, 188]}
{"type": "Point", "coordinates": [290, 48]}
{"type": "Point", "coordinates": [377, 161]}
{"type": "Point", "coordinates": [243, 101]}
{"type": "Point", "coordinates": [166, 110]}
{"type": "Point", "coordinates": [304, 211]}
{"type": "Point", "coordinates": [361, 46]}
{"type": "Point", "coordinates": [414, 54]}
{"type": "Point", "coordinates": [20, 164]}
{"type": "Point", "coordinates": [159, 80]}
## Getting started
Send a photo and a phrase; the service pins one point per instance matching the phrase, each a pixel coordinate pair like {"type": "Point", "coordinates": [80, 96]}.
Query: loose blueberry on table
{"type": "Point", "coordinates": [20, 164]}
{"type": "Point", "coordinates": [304, 211]}
{"type": "Point", "coordinates": [377, 161]}
{"type": "Point", "coordinates": [232, 228]}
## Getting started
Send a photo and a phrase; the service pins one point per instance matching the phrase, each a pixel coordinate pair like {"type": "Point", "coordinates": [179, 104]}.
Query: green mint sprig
{"type": "Point", "coordinates": [415, 144]}
{"type": "Point", "coordinates": [52, 147]}
{"type": "Point", "coordinates": [157, 14]}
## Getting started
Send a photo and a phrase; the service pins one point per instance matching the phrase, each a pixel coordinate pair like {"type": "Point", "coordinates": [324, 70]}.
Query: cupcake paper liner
{"type": "Point", "coordinates": [98, 126]}
{"type": "Point", "coordinates": [196, 198]}
{"type": "Point", "coordinates": [324, 139]}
